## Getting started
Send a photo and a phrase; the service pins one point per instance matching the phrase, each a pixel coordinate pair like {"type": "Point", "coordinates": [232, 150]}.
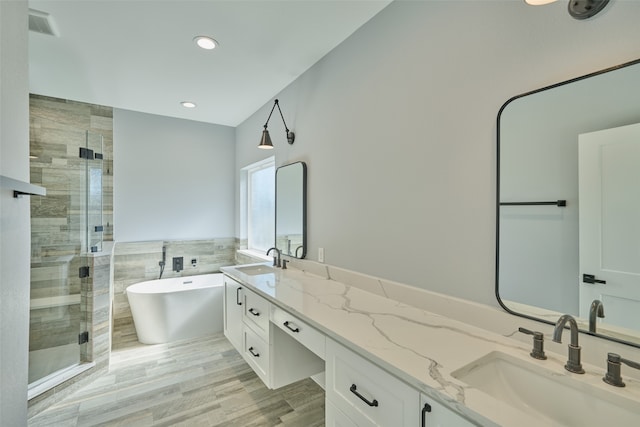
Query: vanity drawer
{"type": "Point", "coordinates": [365, 393]}
{"type": "Point", "coordinates": [256, 313]}
{"type": "Point", "coordinates": [256, 353]}
{"type": "Point", "coordinates": [299, 330]}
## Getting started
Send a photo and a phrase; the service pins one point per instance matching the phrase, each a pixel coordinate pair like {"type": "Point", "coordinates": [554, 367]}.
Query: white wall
{"type": "Point", "coordinates": [172, 178]}
{"type": "Point", "coordinates": [15, 232]}
{"type": "Point", "coordinates": [398, 129]}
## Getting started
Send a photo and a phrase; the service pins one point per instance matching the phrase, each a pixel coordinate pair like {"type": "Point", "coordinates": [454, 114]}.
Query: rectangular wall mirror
{"type": "Point", "coordinates": [568, 232]}
{"type": "Point", "coordinates": [291, 209]}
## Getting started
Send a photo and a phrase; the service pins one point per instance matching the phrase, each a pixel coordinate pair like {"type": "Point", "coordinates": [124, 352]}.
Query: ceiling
{"type": "Point", "coordinates": [140, 55]}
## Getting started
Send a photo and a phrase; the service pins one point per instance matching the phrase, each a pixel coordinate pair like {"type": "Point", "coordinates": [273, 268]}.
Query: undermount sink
{"type": "Point", "coordinates": [553, 398]}
{"type": "Point", "coordinates": [254, 270]}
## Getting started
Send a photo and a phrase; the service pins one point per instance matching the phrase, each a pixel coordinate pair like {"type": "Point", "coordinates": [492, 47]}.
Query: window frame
{"type": "Point", "coordinates": [248, 171]}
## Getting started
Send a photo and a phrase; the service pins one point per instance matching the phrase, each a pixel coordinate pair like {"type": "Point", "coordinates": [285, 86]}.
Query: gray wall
{"type": "Point", "coordinates": [14, 228]}
{"type": "Point", "coordinates": [398, 128]}
{"type": "Point", "coordinates": [172, 178]}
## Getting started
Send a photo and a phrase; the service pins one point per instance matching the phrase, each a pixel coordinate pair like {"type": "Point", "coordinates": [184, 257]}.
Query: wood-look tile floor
{"type": "Point", "coordinates": [202, 382]}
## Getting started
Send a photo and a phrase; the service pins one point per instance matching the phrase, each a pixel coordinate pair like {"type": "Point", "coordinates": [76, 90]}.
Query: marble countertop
{"type": "Point", "coordinates": [415, 345]}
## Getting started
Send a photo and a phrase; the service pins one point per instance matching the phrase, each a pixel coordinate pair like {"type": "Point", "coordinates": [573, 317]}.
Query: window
{"type": "Point", "coordinates": [260, 206]}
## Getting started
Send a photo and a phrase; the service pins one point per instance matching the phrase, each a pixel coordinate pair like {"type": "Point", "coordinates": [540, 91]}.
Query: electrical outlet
{"type": "Point", "coordinates": [194, 262]}
{"type": "Point", "coordinates": [320, 254]}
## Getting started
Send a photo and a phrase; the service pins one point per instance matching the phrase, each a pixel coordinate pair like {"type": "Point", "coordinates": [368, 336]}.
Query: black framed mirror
{"type": "Point", "coordinates": [291, 209]}
{"type": "Point", "coordinates": [541, 242]}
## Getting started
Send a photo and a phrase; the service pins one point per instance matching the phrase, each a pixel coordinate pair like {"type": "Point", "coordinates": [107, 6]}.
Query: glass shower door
{"type": "Point", "coordinates": [54, 316]}
{"type": "Point", "coordinates": [66, 226]}
{"type": "Point", "coordinates": [56, 242]}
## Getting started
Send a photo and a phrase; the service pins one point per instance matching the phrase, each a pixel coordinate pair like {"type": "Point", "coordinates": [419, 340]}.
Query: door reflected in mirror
{"type": "Point", "coordinates": [291, 210]}
{"type": "Point", "coordinates": [550, 261]}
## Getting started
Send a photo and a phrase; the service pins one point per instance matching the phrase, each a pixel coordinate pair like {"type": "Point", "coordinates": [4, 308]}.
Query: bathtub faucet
{"type": "Point", "coordinates": [276, 260]}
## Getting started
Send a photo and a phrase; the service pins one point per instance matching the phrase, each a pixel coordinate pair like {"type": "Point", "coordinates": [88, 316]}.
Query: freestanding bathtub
{"type": "Point", "coordinates": [178, 308]}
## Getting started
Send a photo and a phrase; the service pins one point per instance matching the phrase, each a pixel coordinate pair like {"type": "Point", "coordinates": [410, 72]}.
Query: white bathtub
{"type": "Point", "coordinates": [178, 308]}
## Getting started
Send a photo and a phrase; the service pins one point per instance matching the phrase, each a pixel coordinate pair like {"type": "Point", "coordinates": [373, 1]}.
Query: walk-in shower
{"type": "Point", "coordinates": [66, 227]}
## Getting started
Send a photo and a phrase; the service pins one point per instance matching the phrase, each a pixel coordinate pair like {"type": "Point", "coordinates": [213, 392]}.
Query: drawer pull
{"type": "Point", "coordinates": [238, 296]}
{"type": "Point", "coordinates": [254, 312]}
{"type": "Point", "coordinates": [427, 408]}
{"type": "Point", "coordinates": [354, 390]}
{"type": "Point", "coordinates": [286, 324]}
{"type": "Point", "coordinates": [252, 353]}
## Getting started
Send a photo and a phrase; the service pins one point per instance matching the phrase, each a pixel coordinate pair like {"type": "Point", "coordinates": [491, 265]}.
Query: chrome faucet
{"type": "Point", "coordinates": [573, 363]}
{"type": "Point", "coordinates": [596, 309]}
{"type": "Point", "coordinates": [276, 260]}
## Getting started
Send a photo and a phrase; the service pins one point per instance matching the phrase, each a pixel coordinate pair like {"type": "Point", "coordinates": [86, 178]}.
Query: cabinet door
{"type": "Point", "coordinates": [434, 414]}
{"type": "Point", "coordinates": [233, 309]}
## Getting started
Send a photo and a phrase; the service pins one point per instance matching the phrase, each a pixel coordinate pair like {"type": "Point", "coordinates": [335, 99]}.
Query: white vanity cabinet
{"type": "Point", "coordinates": [276, 357]}
{"type": "Point", "coordinates": [283, 348]}
{"type": "Point", "coordinates": [362, 393]}
{"type": "Point", "coordinates": [233, 311]}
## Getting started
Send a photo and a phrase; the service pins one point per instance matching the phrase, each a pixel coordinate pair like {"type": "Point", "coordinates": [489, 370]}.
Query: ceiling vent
{"type": "Point", "coordinates": [41, 22]}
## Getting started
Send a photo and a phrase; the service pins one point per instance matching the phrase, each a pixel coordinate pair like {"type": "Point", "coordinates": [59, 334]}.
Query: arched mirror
{"type": "Point", "coordinates": [291, 209]}
{"type": "Point", "coordinates": [568, 232]}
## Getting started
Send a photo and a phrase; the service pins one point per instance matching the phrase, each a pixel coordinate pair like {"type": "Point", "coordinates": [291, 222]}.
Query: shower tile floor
{"type": "Point", "coordinates": [203, 382]}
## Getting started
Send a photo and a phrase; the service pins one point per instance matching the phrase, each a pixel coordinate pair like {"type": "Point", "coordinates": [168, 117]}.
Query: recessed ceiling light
{"type": "Point", "coordinates": [206, 42]}
{"type": "Point", "coordinates": [188, 104]}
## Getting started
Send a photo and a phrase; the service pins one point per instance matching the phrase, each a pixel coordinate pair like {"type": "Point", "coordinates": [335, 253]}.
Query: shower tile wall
{"type": "Point", "coordinates": [138, 261]}
{"type": "Point", "coordinates": [97, 303]}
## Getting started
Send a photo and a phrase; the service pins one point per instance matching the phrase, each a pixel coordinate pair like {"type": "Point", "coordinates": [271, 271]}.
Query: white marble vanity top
{"type": "Point", "coordinates": [415, 345]}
